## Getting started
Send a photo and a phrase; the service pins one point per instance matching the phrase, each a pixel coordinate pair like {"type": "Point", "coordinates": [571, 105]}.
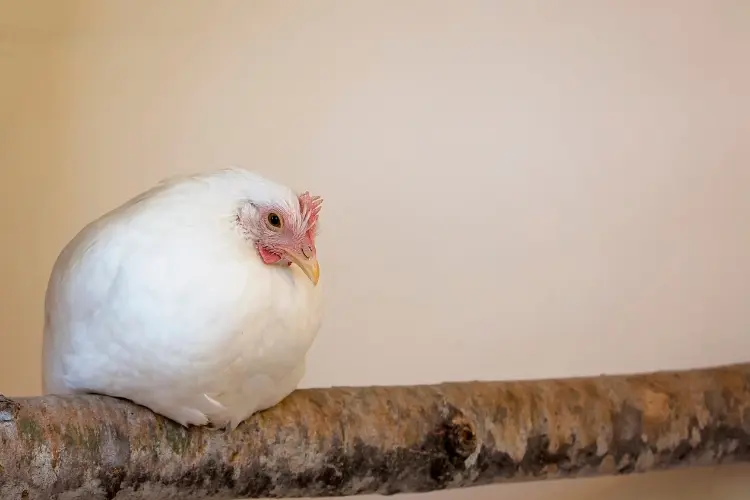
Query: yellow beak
{"type": "Point", "coordinates": [309, 266]}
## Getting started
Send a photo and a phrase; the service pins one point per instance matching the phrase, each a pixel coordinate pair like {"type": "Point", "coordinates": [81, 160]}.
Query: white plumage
{"type": "Point", "coordinates": [172, 301]}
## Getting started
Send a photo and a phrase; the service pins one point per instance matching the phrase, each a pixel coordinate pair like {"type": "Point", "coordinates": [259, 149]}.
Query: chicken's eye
{"type": "Point", "coordinates": [274, 220]}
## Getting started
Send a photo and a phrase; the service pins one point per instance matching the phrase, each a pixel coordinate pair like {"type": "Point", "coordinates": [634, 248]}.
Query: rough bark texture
{"type": "Point", "coordinates": [352, 441]}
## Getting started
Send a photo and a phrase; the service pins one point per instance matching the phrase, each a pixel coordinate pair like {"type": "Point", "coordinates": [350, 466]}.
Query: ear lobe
{"type": "Point", "coordinates": [267, 256]}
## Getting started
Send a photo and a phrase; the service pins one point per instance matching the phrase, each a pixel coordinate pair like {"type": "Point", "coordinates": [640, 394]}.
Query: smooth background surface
{"type": "Point", "coordinates": [513, 189]}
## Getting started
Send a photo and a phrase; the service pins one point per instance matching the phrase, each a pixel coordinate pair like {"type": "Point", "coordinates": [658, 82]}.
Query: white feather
{"type": "Point", "coordinates": [162, 301]}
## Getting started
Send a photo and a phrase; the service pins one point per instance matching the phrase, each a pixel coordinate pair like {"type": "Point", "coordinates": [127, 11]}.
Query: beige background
{"type": "Point", "coordinates": [514, 189]}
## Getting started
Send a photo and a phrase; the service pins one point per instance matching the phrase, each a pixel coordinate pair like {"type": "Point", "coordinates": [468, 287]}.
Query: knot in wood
{"type": "Point", "coordinates": [8, 409]}
{"type": "Point", "coordinates": [460, 437]}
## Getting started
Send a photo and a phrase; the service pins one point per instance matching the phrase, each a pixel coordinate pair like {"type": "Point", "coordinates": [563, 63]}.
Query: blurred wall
{"type": "Point", "coordinates": [514, 189]}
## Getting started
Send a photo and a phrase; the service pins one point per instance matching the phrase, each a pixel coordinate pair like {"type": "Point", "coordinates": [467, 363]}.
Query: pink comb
{"type": "Point", "coordinates": [310, 207]}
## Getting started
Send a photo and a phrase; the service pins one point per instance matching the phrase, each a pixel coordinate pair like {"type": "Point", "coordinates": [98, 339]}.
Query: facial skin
{"type": "Point", "coordinates": [285, 235]}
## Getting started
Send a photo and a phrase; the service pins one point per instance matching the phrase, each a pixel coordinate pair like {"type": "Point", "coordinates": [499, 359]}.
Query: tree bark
{"type": "Point", "coordinates": [353, 441]}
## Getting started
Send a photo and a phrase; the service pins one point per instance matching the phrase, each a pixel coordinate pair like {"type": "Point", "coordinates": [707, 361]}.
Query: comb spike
{"type": "Point", "coordinates": [310, 207]}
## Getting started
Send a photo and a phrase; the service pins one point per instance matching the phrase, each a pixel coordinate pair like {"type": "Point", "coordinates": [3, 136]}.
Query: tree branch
{"type": "Point", "coordinates": [352, 441]}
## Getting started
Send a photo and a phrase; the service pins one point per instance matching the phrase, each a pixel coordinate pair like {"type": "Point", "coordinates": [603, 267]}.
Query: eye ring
{"type": "Point", "coordinates": [274, 220]}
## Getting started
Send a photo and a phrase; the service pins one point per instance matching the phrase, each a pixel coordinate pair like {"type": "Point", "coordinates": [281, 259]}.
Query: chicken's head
{"type": "Point", "coordinates": [284, 232]}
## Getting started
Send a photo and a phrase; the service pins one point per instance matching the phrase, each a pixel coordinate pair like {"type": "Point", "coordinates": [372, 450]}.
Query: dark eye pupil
{"type": "Point", "coordinates": [274, 220]}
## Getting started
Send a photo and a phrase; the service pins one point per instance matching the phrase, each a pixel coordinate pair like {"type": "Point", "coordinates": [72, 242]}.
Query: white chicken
{"type": "Point", "coordinates": [185, 300]}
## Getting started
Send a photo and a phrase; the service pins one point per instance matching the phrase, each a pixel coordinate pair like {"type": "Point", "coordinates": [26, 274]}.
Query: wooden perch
{"type": "Point", "coordinates": [353, 441]}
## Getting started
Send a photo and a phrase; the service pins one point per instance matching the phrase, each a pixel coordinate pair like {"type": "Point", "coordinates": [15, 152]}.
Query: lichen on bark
{"type": "Point", "coordinates": [350, 441]}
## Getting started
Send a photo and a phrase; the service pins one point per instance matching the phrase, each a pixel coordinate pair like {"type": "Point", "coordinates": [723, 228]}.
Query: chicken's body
{"type": "Point", "coordinates": [162, 301]}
